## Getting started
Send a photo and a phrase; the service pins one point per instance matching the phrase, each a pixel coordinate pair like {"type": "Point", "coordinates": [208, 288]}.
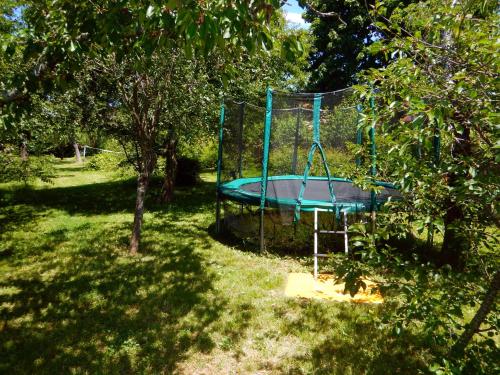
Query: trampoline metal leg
{"type": "Point", "coordinates": [217, 216]}
{"type": "Point", "coordinates": [262, 244]}
{"type": "Point", "coordinates": [315, 243]}
{"type": "Point", "coordinates": [373, 215]}
{"type": "Point", "coordinates": [346, 243]}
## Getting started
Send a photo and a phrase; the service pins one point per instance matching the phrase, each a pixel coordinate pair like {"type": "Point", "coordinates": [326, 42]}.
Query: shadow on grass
{"type": "Point", "coordinates": [107, 197]}
{"type": "Point", "coordinates": [285, 247]}
{"type": "Point", "coordinates": [91, 308]}
{"type": "Point", "coordinates": [355, 345]}
{"type": "Point", "coordinates": [72, 301]}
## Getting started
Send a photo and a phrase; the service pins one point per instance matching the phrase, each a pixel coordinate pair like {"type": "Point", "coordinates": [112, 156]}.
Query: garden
{"type": "Point", "coordinates": [124, 125]}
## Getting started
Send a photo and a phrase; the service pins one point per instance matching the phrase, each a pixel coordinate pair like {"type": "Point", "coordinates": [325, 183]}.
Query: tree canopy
{"type": "Point", "coordinates": [436, 120]}
{"type": "Point", "coordinates": [54, 35]}
{"type": "Point", "coordinates": [340, 39]}
{"type": "Point", "coordinates": [342, 30]}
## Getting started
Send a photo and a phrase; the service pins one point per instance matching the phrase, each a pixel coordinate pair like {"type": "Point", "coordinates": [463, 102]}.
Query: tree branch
{"type": "Point", "coordinates": [474, 326]}
{"type": "Point", "coordinates": [320, 14]}
{"type": "Point", "coordinates": [325, 14]}
{"type": "Point", "coordinates": [12, 96]}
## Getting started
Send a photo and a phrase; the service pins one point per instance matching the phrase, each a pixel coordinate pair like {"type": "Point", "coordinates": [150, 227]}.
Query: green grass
{"type": "Point", "coordinates": [73, 301]}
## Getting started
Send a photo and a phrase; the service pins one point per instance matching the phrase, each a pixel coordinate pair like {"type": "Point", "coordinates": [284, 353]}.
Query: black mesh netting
{"type": "Point", "coordinates": [292, 134]}
{"type": "Point", "coordinates": [242, 141]}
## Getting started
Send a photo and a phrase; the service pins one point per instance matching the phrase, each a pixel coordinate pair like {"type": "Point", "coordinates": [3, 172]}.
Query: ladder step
{"type": "Point", "coordinates": [331, 232]}
{"type": "Point", "coordinates": [320, 255]}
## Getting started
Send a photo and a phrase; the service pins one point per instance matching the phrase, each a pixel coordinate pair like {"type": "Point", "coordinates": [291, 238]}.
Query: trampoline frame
{"type": "Point", "coordinates": [232, 190]}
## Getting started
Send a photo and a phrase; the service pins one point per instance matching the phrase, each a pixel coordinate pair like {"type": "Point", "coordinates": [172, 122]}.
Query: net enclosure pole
{"type": "Point", "coordinates": [265, 162]}
{"type": "Point", "coordinates": [241, 119]}
{"type": "Point", "coordinates": [373, 168]}
{"type": "Point", "coordinates": [219, 168]}
{"type": "Point", "coordinates": [296, 141]}
{"type": "Point", "coordinates": [240, 140]}
{"type": "Point", "coordinates": [316, 145]}
{"type": "Point", "coordinates": [359, 132]}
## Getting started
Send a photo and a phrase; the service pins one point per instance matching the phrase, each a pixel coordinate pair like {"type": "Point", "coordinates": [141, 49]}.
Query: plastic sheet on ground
{"type": "Point", "coordinates": [303, 285]}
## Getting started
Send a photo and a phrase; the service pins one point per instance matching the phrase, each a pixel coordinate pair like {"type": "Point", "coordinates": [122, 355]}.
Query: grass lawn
{"type": "Point", "coordinates": [73, 301]}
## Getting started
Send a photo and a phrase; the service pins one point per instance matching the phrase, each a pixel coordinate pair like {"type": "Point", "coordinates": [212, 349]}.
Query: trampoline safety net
{"type": "Point", "coordinates": [288, 157]}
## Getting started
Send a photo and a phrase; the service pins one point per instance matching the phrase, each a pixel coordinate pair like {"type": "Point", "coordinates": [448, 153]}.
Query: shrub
{"type": "Point", "coordinates": [205, 151]}
{"type": "Point", "coordinates": [207, 155]}
{"type": "Point", "coordinates": [13, 168]}
{"type": "Point", "coordinates": [188, 170]}
{"type": "Point", "coordinates": [106, 162]}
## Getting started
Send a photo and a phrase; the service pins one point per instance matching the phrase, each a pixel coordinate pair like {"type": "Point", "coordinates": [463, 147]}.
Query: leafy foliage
{"type": "Point", "coordinates": [107, 162]}
{"type": "Point", "coordinates": [436, 113]}
{"type": "Point", "coordinates": [439, 89]}
{"type": "Point", "coordinates": [434, 303]}
{"type": "Point", "coordinates": [56, 35]}
{"type": "Point", "coordinates": [342, 30]}
{"type": "Point", "coordinates": [338, 43]}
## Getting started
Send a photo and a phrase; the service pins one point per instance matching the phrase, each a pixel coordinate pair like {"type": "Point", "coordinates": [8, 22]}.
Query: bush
{"type": "Point", "coordinates": [208, 153]}
{"type": "Point", "coordinates": [13, 168]}
{"type": "Point", "coordinates": [341, 163]}
{"type": "Point", "coordinates": [188, 171]}
{"type": "Point", "coordinates": [205, 152]}
{"type": "Point", "coordinates": [106, 162]}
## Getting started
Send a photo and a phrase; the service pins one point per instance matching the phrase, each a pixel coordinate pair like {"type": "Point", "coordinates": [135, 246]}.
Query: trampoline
{"type": "Point", "coordinates": [295, 153]}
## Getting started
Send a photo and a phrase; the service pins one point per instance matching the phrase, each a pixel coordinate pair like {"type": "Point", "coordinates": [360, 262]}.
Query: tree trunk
{"type": "Point", "coordinates": [77, 152]}
{"type": "Point", "coordinates": [456, 242]}
{"type": "Point", "coordinates": [167, 189]}
{"type": "Point", "coordinates": [24, 151]}
{"type": "Point", "coordinates": [139, 102]}
{"type": "Point", "coordinates": [481, 314]}
{"type": "Point", "coordinates": [142, 187]}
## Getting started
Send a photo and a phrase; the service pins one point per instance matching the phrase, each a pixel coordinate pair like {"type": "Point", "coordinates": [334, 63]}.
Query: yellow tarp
{"type": "Point", "coordinates": [303, 285]}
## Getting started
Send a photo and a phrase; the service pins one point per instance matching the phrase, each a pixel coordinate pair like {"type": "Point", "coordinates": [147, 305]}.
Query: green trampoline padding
{"type": "Point", "coordinates": [283, 191]}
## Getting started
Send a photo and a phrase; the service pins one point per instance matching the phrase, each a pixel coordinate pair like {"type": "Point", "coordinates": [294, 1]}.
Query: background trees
{"type": "Point", "coordinates": [342, 30]}
{"type": "Point", "coordinates": [127, 41]}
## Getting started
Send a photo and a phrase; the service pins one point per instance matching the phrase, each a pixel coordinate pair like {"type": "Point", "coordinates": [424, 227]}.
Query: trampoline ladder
{"type": "Point", "coordinates": [317, 232]}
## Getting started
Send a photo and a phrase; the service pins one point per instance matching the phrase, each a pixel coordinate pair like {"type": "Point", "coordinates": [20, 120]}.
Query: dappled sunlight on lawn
{"type": "Point", "coordinates": [73, 301]}
{"type": "Point", "coordinates": [92, 307]}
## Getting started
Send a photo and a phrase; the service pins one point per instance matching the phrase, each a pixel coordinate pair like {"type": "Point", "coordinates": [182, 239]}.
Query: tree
{"type": "Point", "coordinates": [193, 92]}
{"type": "Point", "coordinates": [191, 104]}
{"type": "Point", "coordinates": [80, 29]}
{"type": "Point", "coordinates": [57, 119]}
{"type": "Point", "coordinates": [442, 92]}
{"type": "Point", "coordinates": [62, 34]}
{"type": "Point", "coordinates": [154, 92]}
{"type": "Point", "coordinates": [342, 30]}
{"type": "Point", "coordinates": [436, 115]}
